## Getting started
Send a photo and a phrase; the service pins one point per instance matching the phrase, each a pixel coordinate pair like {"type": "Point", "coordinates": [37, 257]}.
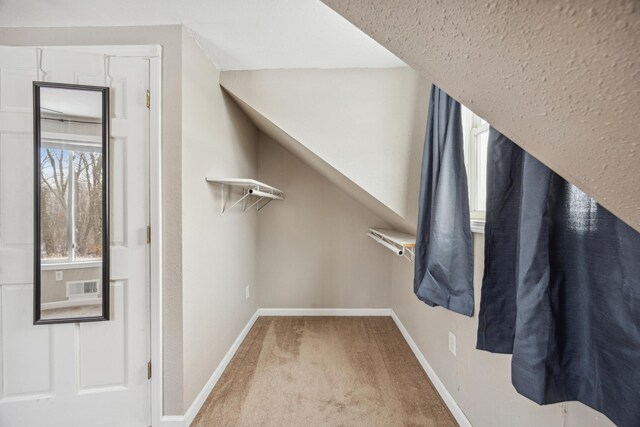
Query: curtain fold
{"type": "Point", "coordinates": [561, 289]}
{"type": "Point", "coordinates": [444, 258]}
{"type": "Point", "coordinates": [496, 327]}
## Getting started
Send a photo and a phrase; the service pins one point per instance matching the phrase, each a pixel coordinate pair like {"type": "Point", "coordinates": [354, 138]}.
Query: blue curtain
{"type": "Point", "coordinates": [561, 288]}
{"type": "Point", "coordinates": [497, 323]}
{"type": "Point", "coordinates": [444, 259]}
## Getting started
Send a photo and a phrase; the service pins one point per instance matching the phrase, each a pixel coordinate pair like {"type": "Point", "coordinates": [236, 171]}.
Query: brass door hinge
{"type": "Point", "coordinates": [149, 370]}
{"type": "Point", "coordinates": [148, 234]}
{"type": "Point", "coordinates": [148, 99]}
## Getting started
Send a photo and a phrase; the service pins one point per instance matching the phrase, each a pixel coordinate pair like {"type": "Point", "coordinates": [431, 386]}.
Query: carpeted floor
{"type": "Point", "coordinates": [324, 371]}
{"type": "Point", "coordinates": [89, 310]}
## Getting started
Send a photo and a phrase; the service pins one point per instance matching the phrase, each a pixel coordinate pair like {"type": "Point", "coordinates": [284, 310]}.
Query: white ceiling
{"type": "Point", "coordinates": [71, 102]}
{"type": "Point", "coordinates": [236, 34]}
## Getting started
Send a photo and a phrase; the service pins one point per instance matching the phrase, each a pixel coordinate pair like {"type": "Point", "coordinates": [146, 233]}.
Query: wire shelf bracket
{"type": "Point", "coordinates": [401, 244]}
{"type": "Point", "coordinates": [256, 193]}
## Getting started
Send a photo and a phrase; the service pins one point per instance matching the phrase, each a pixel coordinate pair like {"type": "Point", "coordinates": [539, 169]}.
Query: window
{"type": "Point", "coordinates": [71, 201]}
{"type": "Point", "coordinates": [476, 138]}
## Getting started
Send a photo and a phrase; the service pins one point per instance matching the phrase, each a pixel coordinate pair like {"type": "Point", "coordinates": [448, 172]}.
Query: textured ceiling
{"type": "Point", "coordinates": [236, 34]}
{"type": "Point", "coordinates": [560, 78]}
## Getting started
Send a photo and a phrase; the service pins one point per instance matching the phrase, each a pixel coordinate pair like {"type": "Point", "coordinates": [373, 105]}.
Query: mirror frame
{"type": "Point", "coordinates": [37, 282]}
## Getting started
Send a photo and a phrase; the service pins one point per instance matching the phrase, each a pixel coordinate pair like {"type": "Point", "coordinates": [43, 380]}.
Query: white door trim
{"type": "Point", "coordinates": [155, 218]}
{"type": "Point", "coordinates": [135, 51]}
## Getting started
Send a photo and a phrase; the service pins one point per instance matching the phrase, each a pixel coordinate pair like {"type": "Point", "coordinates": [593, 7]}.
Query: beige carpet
{"type": "Point", "coordinates": [324, 371]}
{"type": "Point", "coordinates": [89, 310]}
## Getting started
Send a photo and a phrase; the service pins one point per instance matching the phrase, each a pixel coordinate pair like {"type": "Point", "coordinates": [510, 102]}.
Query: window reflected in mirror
{"type": "Point", "coordinates": [71, 128]}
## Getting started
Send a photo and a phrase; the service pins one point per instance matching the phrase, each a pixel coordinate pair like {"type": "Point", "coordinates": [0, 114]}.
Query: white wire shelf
{"type": "Point", "coordinates": [401, 244]}
{"type": "Point", "coordinates": [253, 191]}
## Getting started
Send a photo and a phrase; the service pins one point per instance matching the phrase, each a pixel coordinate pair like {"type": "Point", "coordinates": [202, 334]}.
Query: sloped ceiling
{"type": "Point", "coordinates": [298, 149]}
{"type": "Point", "coordinates": [560, 78]}
{"type": "Point", "coordinates": [361, 128]}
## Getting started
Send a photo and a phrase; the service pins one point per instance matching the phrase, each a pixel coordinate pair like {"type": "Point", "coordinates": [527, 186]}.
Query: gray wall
{"type": "Point", "coordinates": [218, 251]}
{"type": "Point", "coordinates": [56, 290]}
{"type": "Point", "coordinates": [313, 249]}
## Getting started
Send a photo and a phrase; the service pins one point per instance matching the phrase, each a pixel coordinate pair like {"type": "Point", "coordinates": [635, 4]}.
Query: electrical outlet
{"type": "Point", "coordinates": [452, 343]}
{"type": "Point", "coordinates": [58, 276]}
{"type": "Point", "coordinates": [247, 291]}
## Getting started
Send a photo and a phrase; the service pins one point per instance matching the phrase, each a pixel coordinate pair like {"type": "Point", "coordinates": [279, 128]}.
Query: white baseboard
{"type": "Point", "coordinates": [325, 312]}
{"type": "Point", "coordinates": [172, 421]}
{"type": "Point", "coordinates": [456, 411]}
{"type": "Point", "coordinates": [70, 303]}
{"type": "Point", "coordinates": [204, 393]}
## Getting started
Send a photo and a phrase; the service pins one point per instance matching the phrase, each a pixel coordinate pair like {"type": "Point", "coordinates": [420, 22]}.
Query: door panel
{"type": "Point", "coordinates": [103, 347]}
{"type": "Point", "coordinates": [83, 374]}
{"type": "Point", "coordinates": [15, 230]}
{"type": "Point", "coordinates": [18, 69]}
{"type": "Point", "coordinates": [13, 82]}
{"type": "Point", "coordinates": [72, 67]}
{"type": "Point", "coordinates": [18, 334]}
{"type": "Point", "coordinates": [118, 191]}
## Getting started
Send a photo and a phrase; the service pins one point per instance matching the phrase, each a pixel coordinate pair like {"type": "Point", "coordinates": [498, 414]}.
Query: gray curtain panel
{"type": "Point", "coordinates": [565, 282]}
{"type": "Point", "coordinates": [496, 326]}
{"type": "Point", "coordinates": [444, 258]}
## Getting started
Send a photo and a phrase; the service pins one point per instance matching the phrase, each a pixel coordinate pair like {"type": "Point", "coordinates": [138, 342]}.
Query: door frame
{"type": "Point", "coordinates": [153, 53]}
{"type": "Point", "coordinates": [155, 222]}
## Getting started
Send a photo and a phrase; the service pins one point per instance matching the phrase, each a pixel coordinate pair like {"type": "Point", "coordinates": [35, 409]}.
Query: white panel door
{"type": "Point", "coordinates": [82, 374]}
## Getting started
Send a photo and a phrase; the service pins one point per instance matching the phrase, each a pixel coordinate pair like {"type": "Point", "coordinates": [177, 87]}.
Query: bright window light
{"type": "Point", "coordinates": [71, 195]}
{"type": "Point", "coordinates": [476, 138]}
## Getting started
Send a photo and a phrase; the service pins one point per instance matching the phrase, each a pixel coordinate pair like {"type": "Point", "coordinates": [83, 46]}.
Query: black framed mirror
{"type": "Point", "coordinates": [71, 217]}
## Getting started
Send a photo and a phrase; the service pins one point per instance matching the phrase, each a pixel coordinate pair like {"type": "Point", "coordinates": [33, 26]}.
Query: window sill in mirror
{"type": "Point", "coordinates": [67, 265]}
